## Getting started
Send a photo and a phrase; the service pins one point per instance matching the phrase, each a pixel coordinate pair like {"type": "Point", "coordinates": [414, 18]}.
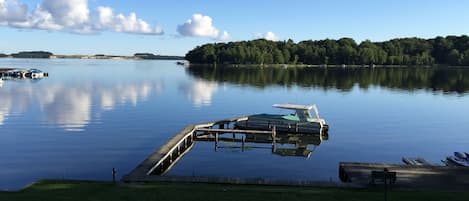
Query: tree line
{"type": "Point", "coordinates": [449, 50]}
{"type": "Point", "coordinates": [32, 54]}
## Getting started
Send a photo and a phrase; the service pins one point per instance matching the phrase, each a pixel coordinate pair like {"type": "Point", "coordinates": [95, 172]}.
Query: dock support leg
{"type": "Point", "coordinates": [243, 142]}
{"type": "Point", "coordinates": [216, 141]}
{"type": "Point", "coordinates": [274, 134]}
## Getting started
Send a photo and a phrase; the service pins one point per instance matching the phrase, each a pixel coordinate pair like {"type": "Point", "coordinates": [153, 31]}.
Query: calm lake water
{"type": "Point", "coordinates": [89, 116]}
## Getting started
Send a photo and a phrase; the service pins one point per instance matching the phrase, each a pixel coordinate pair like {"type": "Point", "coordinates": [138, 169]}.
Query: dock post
{"type": "Point", "coordinates": [274, 134]}
{"type": "Point", "coordinates": [243, 142]}
{"type": "Point", "coordinates": [216, 141]}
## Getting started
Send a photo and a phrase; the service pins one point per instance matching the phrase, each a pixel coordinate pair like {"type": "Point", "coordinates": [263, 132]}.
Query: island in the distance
{"type": "Point", "coordinates": [49, 55]}
{"type": "Point", "coordinates": [449, 50]}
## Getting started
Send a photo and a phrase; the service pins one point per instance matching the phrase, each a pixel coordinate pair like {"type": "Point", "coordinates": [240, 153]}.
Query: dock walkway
{"type": "Point", "coordinates": [160, 161]}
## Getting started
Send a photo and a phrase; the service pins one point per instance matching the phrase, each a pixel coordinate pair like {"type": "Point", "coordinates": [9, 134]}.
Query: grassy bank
{"type": "Point", "coordinates": [74, 190]}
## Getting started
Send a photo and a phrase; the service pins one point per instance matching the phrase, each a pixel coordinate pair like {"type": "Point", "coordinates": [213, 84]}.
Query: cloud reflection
{"type": "Point", "coordinates": [72, 107]}
{"type": "Point", "coordinates": [199, 91]}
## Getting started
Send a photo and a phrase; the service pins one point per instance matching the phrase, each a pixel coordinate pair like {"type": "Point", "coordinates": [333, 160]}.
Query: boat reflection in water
{"type": "Point", "coordinates": [301, 145]}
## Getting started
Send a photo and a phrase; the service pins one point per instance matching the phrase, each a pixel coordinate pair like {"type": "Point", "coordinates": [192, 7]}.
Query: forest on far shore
{"type": "Point", "coordinates": [449, 50]}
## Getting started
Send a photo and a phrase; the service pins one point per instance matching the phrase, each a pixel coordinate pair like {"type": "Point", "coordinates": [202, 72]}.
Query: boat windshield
{"type": "Point", "coordinates": [303, 115]}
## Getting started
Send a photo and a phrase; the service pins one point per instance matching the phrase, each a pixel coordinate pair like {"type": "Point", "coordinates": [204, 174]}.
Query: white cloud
{"type": "Point", "coordinates": [121, 23]}
{"type": "Point", "coordinates": [68, 13]}
{"type": "Point", "coordinates": [12, 11]}
{"type": "Point", "coordinates": [72, 16]}
{"type": "Point", "coordinates": [105, 15]}
{"type": "Point", "coordinates": [224, 36]}
{"type": "Point", "coordinates": [268, 36]}
{"type": "Point", "coordinates": [201, 26]}
{"type": "Point", "coordinates": [38, 19]}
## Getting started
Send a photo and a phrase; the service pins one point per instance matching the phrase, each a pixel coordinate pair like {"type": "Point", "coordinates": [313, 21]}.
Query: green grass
{"type": "Point", "coordinates": [96, 191]}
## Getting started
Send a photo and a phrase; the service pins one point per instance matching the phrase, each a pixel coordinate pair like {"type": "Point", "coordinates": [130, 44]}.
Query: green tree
{"type": "Point", "coordinates": [454, 57]}
{"type": "Point", "coordinates": [278, 57]}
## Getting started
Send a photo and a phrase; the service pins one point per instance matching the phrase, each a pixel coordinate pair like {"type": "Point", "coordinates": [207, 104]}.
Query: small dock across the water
{"type": "Point", "coordinates": [407, 176]}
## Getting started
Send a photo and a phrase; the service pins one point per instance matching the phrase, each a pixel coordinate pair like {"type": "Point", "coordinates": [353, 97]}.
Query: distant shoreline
{"type": "Point", "coordinates": [98, 57]}
{"type": "Point", "coordinates": [49, 55]}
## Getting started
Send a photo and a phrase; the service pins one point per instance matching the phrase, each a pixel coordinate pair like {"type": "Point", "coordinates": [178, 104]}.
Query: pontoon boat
{"type": "Point", "coordinates": [300, 121]}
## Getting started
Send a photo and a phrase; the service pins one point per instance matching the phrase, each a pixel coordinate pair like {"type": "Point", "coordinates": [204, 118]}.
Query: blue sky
{"type": "Point", "coordinates": [241, 19]}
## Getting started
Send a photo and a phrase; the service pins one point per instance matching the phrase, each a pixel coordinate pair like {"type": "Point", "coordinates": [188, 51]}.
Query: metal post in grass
{"type": "Point", "coordinates": [385, 175]}
{"type": "Point", "coordinates": [114, 172]}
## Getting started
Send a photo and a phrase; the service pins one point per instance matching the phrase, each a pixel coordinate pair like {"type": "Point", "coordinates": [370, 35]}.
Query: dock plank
{"type": "Point", "coordinates": [145, 167]}
{"type": "Point", "coordinates": [214, 130]}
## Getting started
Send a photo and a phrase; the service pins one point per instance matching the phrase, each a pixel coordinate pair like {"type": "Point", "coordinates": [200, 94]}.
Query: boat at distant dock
{"type": "Point", "coordinates": [300, 122]}
{"type": "Point", "coordinates": [182, 63]}
{"type": "Point", "coordinates": [16, 73]}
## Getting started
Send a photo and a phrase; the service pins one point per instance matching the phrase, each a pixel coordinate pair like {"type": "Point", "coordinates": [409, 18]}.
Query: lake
{"type": "Point", "coordinates": [90, 116]}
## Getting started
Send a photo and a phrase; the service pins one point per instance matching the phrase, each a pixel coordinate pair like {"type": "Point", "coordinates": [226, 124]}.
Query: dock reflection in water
{"type": "Point", "coordinates": [282, 144]}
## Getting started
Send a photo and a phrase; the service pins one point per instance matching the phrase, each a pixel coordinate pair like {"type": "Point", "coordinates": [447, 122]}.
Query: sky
{"type": "Point", "coordinates": [124, 27]}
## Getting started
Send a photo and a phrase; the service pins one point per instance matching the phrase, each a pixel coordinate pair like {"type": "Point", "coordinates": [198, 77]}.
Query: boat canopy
{"type": "Point", "coordinates": [293, 106]}
{"type": "Point", "coordinates": [302, 111]}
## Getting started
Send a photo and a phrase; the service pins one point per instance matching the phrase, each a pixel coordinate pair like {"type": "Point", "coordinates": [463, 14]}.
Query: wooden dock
{"type": "Point", "coordinates": [407, 176]}
{"type": "Point", "coordinates": [160, 161]}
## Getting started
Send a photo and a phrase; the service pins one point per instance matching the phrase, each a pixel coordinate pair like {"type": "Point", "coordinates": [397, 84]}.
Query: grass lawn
{"type": "Point", "coordinates": [95, 191]}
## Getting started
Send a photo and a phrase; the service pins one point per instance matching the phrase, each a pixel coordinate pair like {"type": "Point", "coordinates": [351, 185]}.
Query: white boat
{"type": "Point", "coordinates": [300, 121]}
{"type": "Point", "coordinates": [1, 82]}
{"type": "Point", "coordinates": [35, 74]}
